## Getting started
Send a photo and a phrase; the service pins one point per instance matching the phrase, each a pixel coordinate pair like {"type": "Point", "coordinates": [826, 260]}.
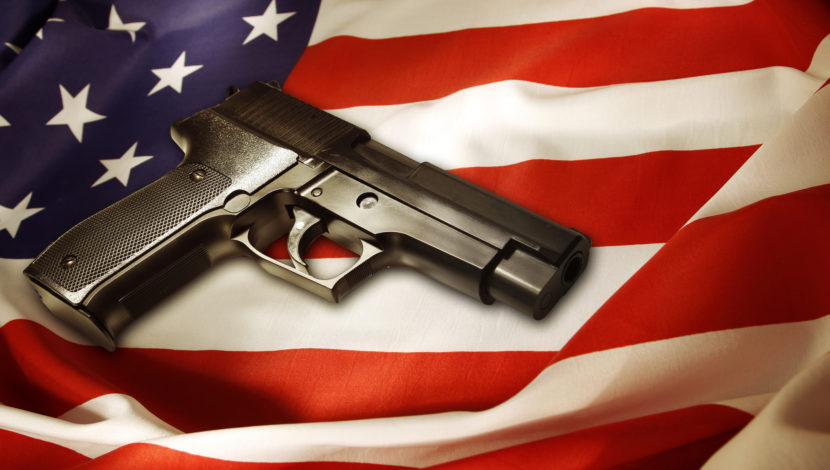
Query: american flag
{"type": "Point", "coordinates": [689, 138]}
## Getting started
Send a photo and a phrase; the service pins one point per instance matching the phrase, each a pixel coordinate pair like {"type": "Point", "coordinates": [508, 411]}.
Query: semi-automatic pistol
{"type": "Point", "coordinates": [264, 165]}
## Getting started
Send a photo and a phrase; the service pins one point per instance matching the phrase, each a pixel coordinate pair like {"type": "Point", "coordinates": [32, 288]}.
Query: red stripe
{"type": "Point", "coordinates": [24, 452]}
{"type": "Point", "coordinates": [642, 45]}
{"type": "Point", "coordinates": [763, 264]}
{"type": "Point", "coordinates": [677, 439]}
{"type": "Point", "coordinates": [690, 456]}
{"type": "Point", "coordinates": [616, 201]}
{"type": "Point", "coordinates": [664, 437]}
{"type": "Point", "coordinates": [46, 374]}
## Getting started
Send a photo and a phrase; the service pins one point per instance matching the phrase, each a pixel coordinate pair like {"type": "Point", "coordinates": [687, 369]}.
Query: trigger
{"type": "Point", "coordinates": [306, 228]}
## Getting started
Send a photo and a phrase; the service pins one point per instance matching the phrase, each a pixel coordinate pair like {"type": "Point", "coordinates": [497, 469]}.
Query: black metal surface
{"type": "Point", "coordinates": [267, 155]}
{"type": "Point", "coordinates": [109, 239]}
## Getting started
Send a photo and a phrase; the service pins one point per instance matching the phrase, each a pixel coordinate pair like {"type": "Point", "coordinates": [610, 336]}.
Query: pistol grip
{"type": "Point", "coordinates": [111, 240]}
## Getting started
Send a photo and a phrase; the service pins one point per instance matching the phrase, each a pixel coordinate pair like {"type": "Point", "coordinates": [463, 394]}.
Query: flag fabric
{"type": "Point", "coordinates": [690, 139]}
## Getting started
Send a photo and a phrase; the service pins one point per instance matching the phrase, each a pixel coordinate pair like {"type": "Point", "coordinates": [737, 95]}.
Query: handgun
{"type": "Point", "coordinates": [264, 166]}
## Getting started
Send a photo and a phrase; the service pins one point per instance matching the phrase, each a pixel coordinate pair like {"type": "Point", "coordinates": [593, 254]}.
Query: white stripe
{"type": "Point", "coordinates": [385, 19]}
{"type": "Point", "coordinates": [792, 428]}
{"type": "Point", "coordinates": [577, 393]}
{"type": "Point", "coordinates": [751, 404]}
{"type": "Point", "coordinates": [93, 428]}
{"type": "Point", "coordinates": [508, 122]}
{"type": "Point", "coordinates": [219, 312]}
{"type": "Point", "coordinates": [797, 157]}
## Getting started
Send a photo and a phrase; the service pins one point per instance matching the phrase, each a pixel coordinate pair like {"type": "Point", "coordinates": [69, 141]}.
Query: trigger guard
{"type": "Point", "coordinates": [332, 289]}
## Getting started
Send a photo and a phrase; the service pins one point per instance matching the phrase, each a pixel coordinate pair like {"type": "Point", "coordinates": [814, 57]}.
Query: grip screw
{"type": "Point", "coordinates": [316, 192]}
{"type": "Point", "coordinates": [198, 175]}
{"type": "Point", "coordinates": [68, 261]}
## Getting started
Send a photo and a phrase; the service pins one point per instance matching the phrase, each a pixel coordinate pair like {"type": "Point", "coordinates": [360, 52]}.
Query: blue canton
{"type": "Point", "coordinates": [88, 90]}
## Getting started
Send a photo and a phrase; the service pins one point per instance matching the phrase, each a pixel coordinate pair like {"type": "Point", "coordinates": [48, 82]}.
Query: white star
{"type": "Point", "coordinates": [266, 23]}
{"type": "Point", "coordinates": [39, 33]}
{"type": "Point", "coordinates": [4, 122]}
{"type": "Point", "coordinates": [119, 168]}
{"type": "Point", "coordinates": [10, 219]}
{"type": "Point", "coordinates": [172, 76]}
{"type": "Point", "coordinates": [117, 25]}
{"type": "Point", "coordinates": [14, 48]}
{"type": "Point", "coordinates": [74, 113]}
